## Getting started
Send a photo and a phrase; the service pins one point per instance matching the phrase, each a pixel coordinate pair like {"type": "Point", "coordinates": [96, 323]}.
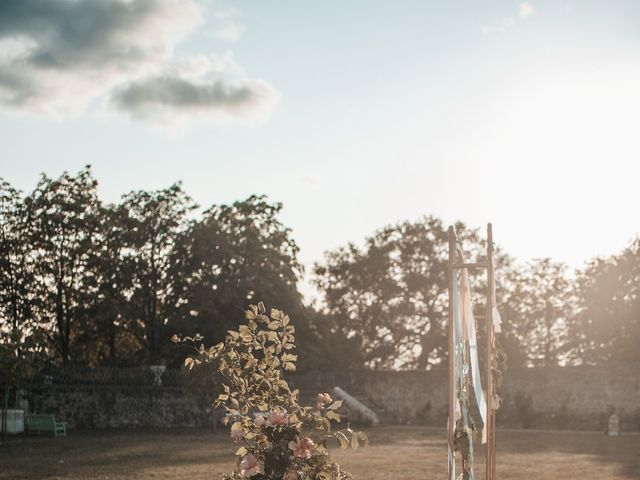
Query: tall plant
{"type": "Point", "coordinates": [277, 437]}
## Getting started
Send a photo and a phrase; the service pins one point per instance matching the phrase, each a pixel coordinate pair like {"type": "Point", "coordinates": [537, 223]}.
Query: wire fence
{"type": "Point", "coordinates": [160, 376]}
{"type": "Point", "coordinates": [143, 376]}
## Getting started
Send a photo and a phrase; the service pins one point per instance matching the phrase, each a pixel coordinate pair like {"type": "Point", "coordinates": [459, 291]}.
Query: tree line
{"type": "Point", "coordinates": [390, 298]}
{"type": "Point", "coordinates": [90, 283]}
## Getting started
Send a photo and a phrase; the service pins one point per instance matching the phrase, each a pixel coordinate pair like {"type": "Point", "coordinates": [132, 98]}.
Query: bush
{"type": "Point", "coordinates": [277, 438]}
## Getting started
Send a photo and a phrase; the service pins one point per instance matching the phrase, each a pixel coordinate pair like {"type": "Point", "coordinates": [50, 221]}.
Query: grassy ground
{"type": "Point", "coordinates": [403, 453]}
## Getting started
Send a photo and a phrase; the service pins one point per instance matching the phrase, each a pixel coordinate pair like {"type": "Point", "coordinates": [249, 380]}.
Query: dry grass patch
{"type": "Point", "coordinates": [407, 453]}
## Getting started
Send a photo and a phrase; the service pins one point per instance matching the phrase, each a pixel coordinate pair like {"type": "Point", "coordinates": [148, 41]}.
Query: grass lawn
{"type": "Point", "coordinates": [403, 453]}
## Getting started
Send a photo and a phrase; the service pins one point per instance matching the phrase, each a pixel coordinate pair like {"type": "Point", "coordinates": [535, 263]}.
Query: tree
{"type": "Point", "coordinates": [514, 329]}
{"type": "Point", "coordinates": [110, 338]}
{"type": "Point", "coordinates": [390, 297]}
{"type": "Point", "coordinates": [63, 221]}
{"type": "Point", "coordinates": [606, 327]}
{"type": "Point", "coordinates": [537, 306]}
{"type": "Point", "coordinates": [158, 219]}
{"type": "Point", "coordinates": [20, 343]}
{"type": "Point", "coordinates": [235, 254]}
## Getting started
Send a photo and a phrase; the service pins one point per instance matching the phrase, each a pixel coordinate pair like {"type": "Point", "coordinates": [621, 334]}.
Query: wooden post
{"type": "Point", "coordinates": [452, 383]}
{"type": "Point", "coordinates": [5, 413]}
{"type": "Point", "coordinates": [490, 459]}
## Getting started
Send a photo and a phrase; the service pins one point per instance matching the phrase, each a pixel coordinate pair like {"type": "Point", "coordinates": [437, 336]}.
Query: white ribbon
{"type": "Point", "coordinates": [464, 330]}
{"type": "Point", "coordinates": [452, 461]}
{"type": "Point", "coordinates": [453, 381]}
{"type": "Point", "coordinates": [469, 322]}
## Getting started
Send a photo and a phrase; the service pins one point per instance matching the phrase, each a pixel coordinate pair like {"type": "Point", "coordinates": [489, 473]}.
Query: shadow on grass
{"type": "Point", "coordinates": [622, 451]}
{"type": "Point", "coordinates": [108, 454]}
{"type": "Point", "coordinates": [195, 453]}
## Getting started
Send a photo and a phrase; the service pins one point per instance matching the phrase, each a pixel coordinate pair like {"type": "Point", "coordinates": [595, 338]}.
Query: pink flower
{"type": "Point", "coordinates": [302, 447]}
{"type": "Point", "coordinates": [251, 465]}
{"type": "Point", "coordinates": [290, 475]}
{"type": "Point", "coordinates": [237, 435]}
{"type": "Point", "coordinates": [277, 417]}
{"type": "Point", "coordinates": [259, 421]}
{"type": "Point", "coordinates": [323, 398]}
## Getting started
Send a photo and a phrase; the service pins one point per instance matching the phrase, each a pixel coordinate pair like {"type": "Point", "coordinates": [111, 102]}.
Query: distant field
{"type": "Point", "coordinates": [402, 453]}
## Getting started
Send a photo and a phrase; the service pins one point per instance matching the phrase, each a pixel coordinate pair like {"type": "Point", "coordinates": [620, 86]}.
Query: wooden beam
{"type": "Point", "coordinates": [452, 385]}
{"type": "Point", "coordinates": [470, 265]}
{"type": "Point", "coordinates": [490, 457]}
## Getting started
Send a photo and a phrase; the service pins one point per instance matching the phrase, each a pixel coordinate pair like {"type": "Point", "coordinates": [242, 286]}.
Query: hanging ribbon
{"type": "Point", "coordinates": [469, 322]}
{"type": "Point", "coordinates": [453, 381]}
{"type": "Point", "coordinates": [463, 333]}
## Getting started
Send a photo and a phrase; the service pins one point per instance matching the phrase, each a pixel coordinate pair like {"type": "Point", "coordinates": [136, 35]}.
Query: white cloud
{"type": "Point", "coordinates": [227, 26]}
{"type": "Point", "coordinates": [229, 31]}
{"type": "Point", "coordinates": [122, 51]}
{"type": "Point", "coordinates": [86, 48]}
{"type": "Point", "coordinates": [195, 90]}
{"type": "Point", "coordinates": [526, 10]}
{"type": "Point", "coordinates": [227, 13]}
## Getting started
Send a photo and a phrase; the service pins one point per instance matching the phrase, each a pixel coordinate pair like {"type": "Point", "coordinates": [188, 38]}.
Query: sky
{"type": "Point", "coordinates": [352, 114]}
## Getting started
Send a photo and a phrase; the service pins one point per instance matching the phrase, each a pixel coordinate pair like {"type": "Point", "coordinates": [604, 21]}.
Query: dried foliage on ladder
{"type": "Point", "coordinates": [465, 383]}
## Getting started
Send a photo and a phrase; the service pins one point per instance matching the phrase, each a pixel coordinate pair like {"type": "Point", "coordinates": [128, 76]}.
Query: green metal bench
{"type": "Point", "coordinates": [46, 424]}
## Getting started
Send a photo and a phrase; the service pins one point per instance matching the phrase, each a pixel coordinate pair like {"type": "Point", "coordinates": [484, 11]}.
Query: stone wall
{"type": "Point", "coordinates": [115, 407]}
{"type": "Point", "coordinates": [558, 397]}
{"type": "Point", "coordinates": [572, 397]}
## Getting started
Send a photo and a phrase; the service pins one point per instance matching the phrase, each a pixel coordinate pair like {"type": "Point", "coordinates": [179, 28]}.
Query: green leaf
{"type": "Point", "coordinates": [233, 334]}
{"type": "Point", "coordinates": [342, 438]}
{"type": "Point", "coordinates": [245, 333]}
{"type": "Point", "coordinates": [283, 384]}
{"type": "Point", "coordinates": [295, 394]}
{"type": "Point", "coordinates": [333, 416]}
{"type": "Point", "coordinates": [354, 440]}
{"type": "Point", "coordinates": [363, 438]}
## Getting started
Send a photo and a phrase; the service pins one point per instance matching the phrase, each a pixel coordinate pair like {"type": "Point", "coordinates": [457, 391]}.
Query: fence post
{"type": "Point", "coordinates": [5, 414]}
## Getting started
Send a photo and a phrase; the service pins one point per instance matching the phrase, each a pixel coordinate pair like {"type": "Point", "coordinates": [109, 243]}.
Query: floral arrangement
{"type": "Point", "coordinates": [277, 438]}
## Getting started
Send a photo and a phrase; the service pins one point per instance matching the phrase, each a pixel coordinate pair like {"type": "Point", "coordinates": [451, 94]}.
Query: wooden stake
{"type": "Point", "coordinates": [490, 458]}
{"type": "Point", "coordinates": [452, 385]}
